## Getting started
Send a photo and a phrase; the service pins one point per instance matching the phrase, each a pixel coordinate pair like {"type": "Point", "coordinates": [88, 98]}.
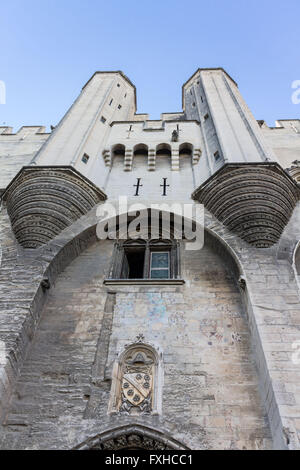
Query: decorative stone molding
{"type": "Point", "coordinates": [132, 437]}
{"type": "Point", "coordinates": [196, 156]}
{"type": "Point", "coordinates": [151, 159]}
{"type": "Point", "coordinates": [175, 159]}
{"type": "Point", "coordinates": [143, 282]}
{"type": "Point", "coordinates": [128, 160]}
{"type": "Point", "coordinates": [43, 201]}
{"type": "Point", "coordinates": [294, 170]}
{"type": "Point", "coordinates": [254, 200]}
{"type": "Point", "coordinates": [107, 157]}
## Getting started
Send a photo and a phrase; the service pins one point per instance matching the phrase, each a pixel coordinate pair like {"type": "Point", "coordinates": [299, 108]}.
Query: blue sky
{"type": "Point", "coordinates": [50, 48]}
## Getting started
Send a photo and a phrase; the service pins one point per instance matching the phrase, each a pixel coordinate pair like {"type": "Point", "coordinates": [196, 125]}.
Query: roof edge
{"type": "Point", "coordinates": [205, 70]}
{"type": "Point", "coordinates": [119, 72]}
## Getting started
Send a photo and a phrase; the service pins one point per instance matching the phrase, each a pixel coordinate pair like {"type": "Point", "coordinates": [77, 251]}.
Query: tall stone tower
{"type": "Point", "coordinates": [146, 341]}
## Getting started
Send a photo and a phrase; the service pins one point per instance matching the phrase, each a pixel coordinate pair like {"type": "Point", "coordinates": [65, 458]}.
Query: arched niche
{"type": "Point", "coordinates": [140, 156]}
{"type": "Point", "coordinates": [185, 155]}
{"type": "Point", "coordinates": [185, 149]}
{"type": "Point", "coordinates": [118, 155]}
{"type": "Point", "coordinates": [137, 380]}
{"type": "Point", "coordinates": [163, 156]}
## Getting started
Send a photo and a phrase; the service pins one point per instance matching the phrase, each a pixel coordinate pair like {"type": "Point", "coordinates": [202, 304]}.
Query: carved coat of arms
{"type": "Point", "coordinates": [137, 383]}
{"type": "Point", "coordinates": [136, 387]}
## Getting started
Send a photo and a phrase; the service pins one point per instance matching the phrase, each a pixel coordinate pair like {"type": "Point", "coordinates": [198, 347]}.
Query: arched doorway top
{"type": "Point", "coordinates": [133, 436]}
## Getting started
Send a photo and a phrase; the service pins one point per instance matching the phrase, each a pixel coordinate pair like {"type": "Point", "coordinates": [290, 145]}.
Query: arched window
{"type": "Point", "coordinates": [137, 380]}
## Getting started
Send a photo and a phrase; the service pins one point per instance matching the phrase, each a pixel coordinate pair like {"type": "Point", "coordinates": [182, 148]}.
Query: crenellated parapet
{"type": "Point", "coordinates": [24, 131]}
{"type": "Point", "coordinates": [43, 201]}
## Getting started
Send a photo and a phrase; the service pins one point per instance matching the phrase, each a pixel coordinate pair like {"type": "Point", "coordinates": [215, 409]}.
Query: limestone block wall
{"type": "Point", "coordinates": [196, 107]}
{"type": "Point", "coordinates": [228, 353]}
{"type": "Point", "coordinates": [179, 183]}
{"type": "Point", "coordinates": [210, 391]}
{"type": "Point", "coordinates": [17, 150]}
{"type": "Point", "coordinates": [285, 141]}
{"type": "Point", "coordinates": [153, 135]}
{"type": "Point", "coordinates": [108, 96]}
{"type": "Point", "coordinates": [270, 297]}
{"type": "Point", "coordinates": [227, 123]}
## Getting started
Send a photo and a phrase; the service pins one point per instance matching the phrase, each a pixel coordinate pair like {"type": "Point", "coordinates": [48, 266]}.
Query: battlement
{"type": "Point", "coordinates": [18, 148]}
{"type": "Point", "coordinates": [288, 124]}
{"type": "Point", "coordinates": [24, 131]}
{"type": "Point", "coordinates": [172, 116]}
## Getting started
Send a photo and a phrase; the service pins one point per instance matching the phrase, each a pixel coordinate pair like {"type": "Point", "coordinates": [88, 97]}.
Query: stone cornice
{"type": "Point", "coordinates": [157, 120]}
{"type": "Point", "coordinates": [143, 282]}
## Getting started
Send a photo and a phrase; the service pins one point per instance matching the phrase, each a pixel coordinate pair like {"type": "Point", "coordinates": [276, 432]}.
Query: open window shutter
{"type": "Point", "coordinates": [125, 268]}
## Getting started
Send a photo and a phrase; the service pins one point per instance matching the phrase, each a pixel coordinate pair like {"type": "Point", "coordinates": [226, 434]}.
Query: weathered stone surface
{"type": "Point", "coordinates": [210, 383]}
{"type": "Point", "coordinates": [254, 200]}
{"type": "Point", "coordinates": [224, 338]}
{"type": "Point", "coordinates": [42, 201]}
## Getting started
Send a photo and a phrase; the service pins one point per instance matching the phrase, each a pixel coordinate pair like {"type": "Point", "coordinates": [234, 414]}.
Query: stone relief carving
{"type": "Point", "coordinates": [43, 201]}
{"type": "Point", "coordinates": [135, 382]}
{"type": "Point", "coordinates": [132, 437]}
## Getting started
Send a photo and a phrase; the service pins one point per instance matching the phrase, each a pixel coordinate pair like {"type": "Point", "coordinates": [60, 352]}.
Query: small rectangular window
{"type": "Point", "coordinates": [103, 119]}
{"type": "Point", "coordinates": [140, 259]}
{"type": "Point", "coordinates": [160, 265]}
{"type": "Point", "coordinates": [206, 117]}
{"type": "Point", "coordinates": [118, 85]}
{"type": "Point", "coordinates": [110, 103]}
{"type": "Point", "coordinates": [119, 107]}
{"type": "Point", "coordinates": [85, 158]}
{"type": "Point", "coordinates": [217, 156]}
{"type": "Point", "coordinates": [125, 95]}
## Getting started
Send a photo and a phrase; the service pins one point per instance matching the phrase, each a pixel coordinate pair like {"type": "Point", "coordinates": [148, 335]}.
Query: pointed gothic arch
{"type": "Point", "coordinates": [132, 437]}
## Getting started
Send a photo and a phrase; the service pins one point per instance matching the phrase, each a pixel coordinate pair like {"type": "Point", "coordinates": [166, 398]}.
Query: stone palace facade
{"type": "Point", "coordinates": [141, 343]}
